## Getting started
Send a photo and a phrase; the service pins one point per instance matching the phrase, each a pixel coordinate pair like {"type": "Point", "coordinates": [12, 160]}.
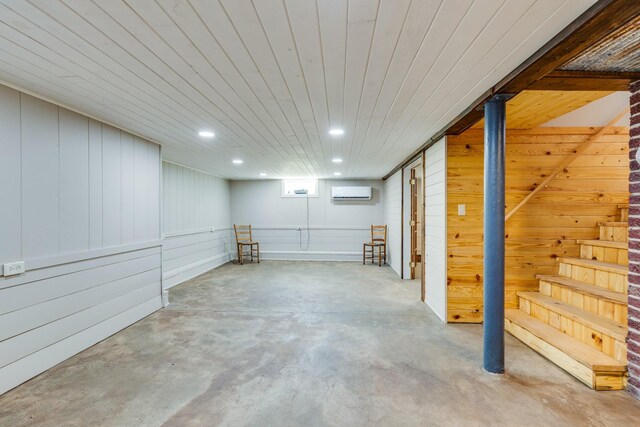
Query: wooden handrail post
{"type": "Point", "coordinates": [567, 161]}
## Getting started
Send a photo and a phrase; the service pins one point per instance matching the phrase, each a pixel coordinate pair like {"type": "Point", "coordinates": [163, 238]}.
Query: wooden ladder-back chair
{"type": "Point", "coordinates": [379, 243]}
{"type": "Point", "coordinates": [245, 238]}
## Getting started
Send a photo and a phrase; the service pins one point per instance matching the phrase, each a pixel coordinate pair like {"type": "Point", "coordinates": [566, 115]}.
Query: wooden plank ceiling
{"type": "Point", "coordinates": [532, 108]}
{"type": "Point", "coordinates": [271, 77]}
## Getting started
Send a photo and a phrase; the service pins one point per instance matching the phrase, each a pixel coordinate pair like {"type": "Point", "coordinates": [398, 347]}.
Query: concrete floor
{"type": "Point", "coordinates": [304, 344]}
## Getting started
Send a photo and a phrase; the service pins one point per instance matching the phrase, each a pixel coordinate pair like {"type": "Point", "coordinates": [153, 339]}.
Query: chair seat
{"type": "Point", "coordinates": [247, 243]}
{"type": "Point", "coordinates": [374, 244]}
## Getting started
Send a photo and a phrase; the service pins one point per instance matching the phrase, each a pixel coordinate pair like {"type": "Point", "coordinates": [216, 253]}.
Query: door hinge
{"type": "Point", "coordinates": [412, 264]}
{"type": "Point", "coordinates": [412, 182]}
{"type": "Point", "coordinates": [412, 223]}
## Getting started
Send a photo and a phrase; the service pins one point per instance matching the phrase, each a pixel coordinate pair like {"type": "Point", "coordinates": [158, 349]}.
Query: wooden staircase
{"type": "Point", "coordinates": [578, 319]}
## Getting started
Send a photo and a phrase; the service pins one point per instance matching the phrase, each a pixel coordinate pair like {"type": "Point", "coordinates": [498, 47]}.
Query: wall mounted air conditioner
{"type": "Point", "coordinates": [351, 193]}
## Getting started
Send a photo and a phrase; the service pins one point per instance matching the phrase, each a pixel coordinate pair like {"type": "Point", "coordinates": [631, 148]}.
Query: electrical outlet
{"type": "Point", "coordinates": [462, 210]}
{"type": "Point", "coordinates": [213, 229]}
{"type": "Point", "coordinates": [13, 268]}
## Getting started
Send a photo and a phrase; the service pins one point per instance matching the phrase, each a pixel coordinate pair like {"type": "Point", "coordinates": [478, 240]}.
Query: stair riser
{"type": "Point", "coordinates": [604, 254]}
{"type": "Point", "coordinates": [584, 333]}
{"type": "Point", "coordinates": [605, 279]}
{"type": "Point", "coordinates": [593, 379]}
{"type": "Point", "coordinates": [614, 233]}
{"type": "Point", "coordinates": [593, 304]}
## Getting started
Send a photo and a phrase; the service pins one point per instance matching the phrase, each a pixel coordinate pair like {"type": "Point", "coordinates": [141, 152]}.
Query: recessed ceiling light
{"type": "Point", "coordinates": [206, 134]}
{"type": "Point", "coordinates": [263, 174]}
{"type": "Point", "coordinates": [336, 132]}
{"type": "Point", "coordinates": [337, 173]}
{"type": "Point", "coordinates": [337, 160]}
{"type": "Point", "coordinates": [237, 161]}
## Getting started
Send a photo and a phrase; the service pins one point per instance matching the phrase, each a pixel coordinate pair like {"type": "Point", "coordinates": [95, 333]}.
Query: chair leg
{"type": "Point", "coordinates": [363, 252]}
{"type": "Point", "coordinates": [258, 251]}
{"type": "Point", "coordinates": [379, 256]}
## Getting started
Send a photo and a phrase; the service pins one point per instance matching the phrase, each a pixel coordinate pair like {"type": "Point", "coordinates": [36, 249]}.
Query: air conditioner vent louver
{"type": "Point", "coordinates": [351, 193]}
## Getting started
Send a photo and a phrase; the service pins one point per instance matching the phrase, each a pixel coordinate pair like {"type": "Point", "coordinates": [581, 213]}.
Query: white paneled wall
{"type": "Point", "coordinates": [81, 207]}
{"type": "Point", "coordinates": [393, 219]}
{"type": "Point", "coordinates": [436, 228]}
{"type": "Point", "coordinates": [337, 229]}
{"type": "Point", "coordinates": [196, 209]}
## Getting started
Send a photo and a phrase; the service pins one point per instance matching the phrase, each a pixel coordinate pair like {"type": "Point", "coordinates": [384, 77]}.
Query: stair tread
{"type": "Point", "coordinates": [601, 265]}
{"type": "Point", "coordinates": [587, 288]}
{"type": "Point", "coordinates": [600, 324]}
{"type": "Point", "coordinates": [623, 205]}
{"type": "Point", "coordinates": [615, 223]}
{"type": "Point", "coordinates": [581, 352]}
{"type": "Point", "coordinates": [606, 243]}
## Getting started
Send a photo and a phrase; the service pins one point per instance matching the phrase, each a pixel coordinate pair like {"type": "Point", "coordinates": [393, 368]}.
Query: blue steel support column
{"type": "Point", "coordinates": [494, 164]}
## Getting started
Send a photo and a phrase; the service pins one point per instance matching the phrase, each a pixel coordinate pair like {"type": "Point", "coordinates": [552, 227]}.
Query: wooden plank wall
{"type": "Point", "coordinates": [196, 233]}
{"type": "Point", "coordinates": [547, 227]}
{"type": "Point", "coordinates": [81, 208]}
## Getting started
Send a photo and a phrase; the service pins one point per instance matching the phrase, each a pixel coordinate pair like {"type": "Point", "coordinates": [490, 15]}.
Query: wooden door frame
{"type": "Point", "coordinates": [413, 221]}
{"type": "Point", "coordinates": [423, 289]}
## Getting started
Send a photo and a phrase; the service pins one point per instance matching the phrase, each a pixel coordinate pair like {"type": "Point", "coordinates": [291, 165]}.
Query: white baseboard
{"type": "Point", "coordinates": [348, 256]}
{"type": "Point", "coordinates": [182, 274]}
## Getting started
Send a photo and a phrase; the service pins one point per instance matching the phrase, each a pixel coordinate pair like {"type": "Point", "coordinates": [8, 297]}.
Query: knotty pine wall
{"type": "Point", "coordinates": [586, 192]}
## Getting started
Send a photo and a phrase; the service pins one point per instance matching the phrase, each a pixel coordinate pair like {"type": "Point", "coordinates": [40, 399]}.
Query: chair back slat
{"type": "Point", "coordinates": [379, 234]}
{"type": "Point", "coordinates": [243, 233]}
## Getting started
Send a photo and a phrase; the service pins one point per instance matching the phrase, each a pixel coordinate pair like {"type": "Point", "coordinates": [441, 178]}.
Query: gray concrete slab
{"type": "Point", "coordinates": [304, 344]}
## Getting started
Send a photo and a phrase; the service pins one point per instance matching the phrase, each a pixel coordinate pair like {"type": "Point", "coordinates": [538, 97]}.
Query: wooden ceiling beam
{"type": "Point", "coordinates": [600, 20]}
{"type": "Point", "coordinates": [585, 81]}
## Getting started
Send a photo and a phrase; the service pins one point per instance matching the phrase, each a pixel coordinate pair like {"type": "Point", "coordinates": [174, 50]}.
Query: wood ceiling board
{"type": "Point", "coordinates": [532, 108]}
{"type": "Point", "coordinates": [269, 78]}
{"type": "Point", "coordinates": [600, 20]}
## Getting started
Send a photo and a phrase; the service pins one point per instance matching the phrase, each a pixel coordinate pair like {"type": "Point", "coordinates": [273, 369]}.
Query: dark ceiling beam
{"type": "Point", "coordinates": [595, 24]}
{"type": "Point", "coordinates": [585, 81]}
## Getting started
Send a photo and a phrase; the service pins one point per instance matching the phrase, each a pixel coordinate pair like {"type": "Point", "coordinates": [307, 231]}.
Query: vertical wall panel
{"type": "Point", "coordinates": [128, 183]}
{"type": "Point", "coordinates": [74, 182]}
{"type": "Point", "coordinates": [71, 202]}
{"type": "Point", "coordinates": [40, 178]}
{"type": "Point", "coordinates": [393, 219]}
{"type": "Point", "coordinates": [140, 183]}
{"type": "Point", "coordinates": [191, 204]}
{"type": "Point", "coordinates": [153, 191]}
{"type": "Point", "coordinates": [435, 222]}
{"type": "Point", "coordinates": [10, 211]}
{"type": "Point", "coordinates": [95, 184]}
{"type": "Point", "coordinates": [112, 187]}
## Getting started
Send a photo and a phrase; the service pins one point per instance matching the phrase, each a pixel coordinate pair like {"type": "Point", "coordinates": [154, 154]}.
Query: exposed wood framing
{"type": "Point", "coordinates": [598, 22]}
{"type": "Point", "coordinates": [585, 81]}
{"type": "Point", "coordinates": [567, 161]}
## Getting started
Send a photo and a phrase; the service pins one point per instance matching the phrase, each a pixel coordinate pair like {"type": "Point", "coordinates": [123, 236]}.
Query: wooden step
{"type": "Point", "coordinates": [588, 365]}
{"type": "Point", "coordinates": [615, 231]}
{"type": "Point", "coordinates": [605, 275]}
{"type": "Point", "coordinates": [602, 302]}
{"type": "Point", "coordinates": [605, 251]}
{"type": "Point", "coordinates": [600, 333]}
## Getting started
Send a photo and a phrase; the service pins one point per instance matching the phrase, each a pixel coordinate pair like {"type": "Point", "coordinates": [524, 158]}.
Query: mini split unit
{"type": "Point", "coordinates": [351, 193]}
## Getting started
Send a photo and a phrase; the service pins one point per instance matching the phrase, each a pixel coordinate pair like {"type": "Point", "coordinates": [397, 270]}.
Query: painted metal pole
{"type": "Point", "coordinates": [494, 189]}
